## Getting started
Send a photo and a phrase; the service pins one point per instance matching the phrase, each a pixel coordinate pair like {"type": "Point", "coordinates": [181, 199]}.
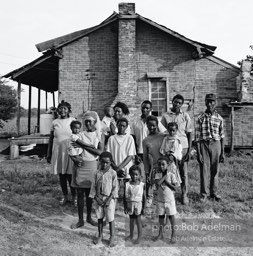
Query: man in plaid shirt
{"type": "Point", "coordinates": [210, 147]}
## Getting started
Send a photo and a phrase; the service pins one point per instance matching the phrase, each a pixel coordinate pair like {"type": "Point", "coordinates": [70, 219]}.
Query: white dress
{"type": "Point", "coordinates": [61, 162]}
{"type": "Point", "coordinates": [121, 146]}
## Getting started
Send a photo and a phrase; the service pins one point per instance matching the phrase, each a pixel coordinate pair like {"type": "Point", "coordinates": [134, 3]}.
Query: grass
{"type": "Point", "coordinates": [10, 127]}
{"type": "Point", "coordinates": [29, 183]}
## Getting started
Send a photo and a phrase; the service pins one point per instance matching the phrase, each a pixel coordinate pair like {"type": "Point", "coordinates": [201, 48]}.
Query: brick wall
{"type": "Point", "coordinates": [212, 77]}
{"type": "Point", "coordinates": [88, 76]}
{"type": "Point", "coordinates": [243, 126]}
{"type": "Point", "coordinates": [117, 65]}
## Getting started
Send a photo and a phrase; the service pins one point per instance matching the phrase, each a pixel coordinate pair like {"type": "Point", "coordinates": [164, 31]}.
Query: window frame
{"type": "Point", "coordinates": [161, 77]}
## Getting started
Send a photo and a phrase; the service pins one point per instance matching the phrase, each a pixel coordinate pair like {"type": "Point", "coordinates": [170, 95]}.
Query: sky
{"type": "Point", "coordinates": [226, 24]}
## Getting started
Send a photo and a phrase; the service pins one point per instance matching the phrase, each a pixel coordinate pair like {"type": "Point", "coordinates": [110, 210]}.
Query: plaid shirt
{"type": "Point", "coordinates": [209, 127]}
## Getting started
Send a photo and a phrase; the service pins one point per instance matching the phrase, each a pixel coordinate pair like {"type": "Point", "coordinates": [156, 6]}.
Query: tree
{"type": "Point", "coordinates": [8, 101]}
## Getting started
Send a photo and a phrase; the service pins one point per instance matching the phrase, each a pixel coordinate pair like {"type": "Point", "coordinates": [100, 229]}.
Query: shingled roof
{"type": "Point", "coordinates": [61, 41]}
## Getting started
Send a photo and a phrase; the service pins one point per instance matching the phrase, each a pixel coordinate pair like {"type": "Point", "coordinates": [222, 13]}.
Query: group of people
{"type": "Point", "coordinates": [111, 160]}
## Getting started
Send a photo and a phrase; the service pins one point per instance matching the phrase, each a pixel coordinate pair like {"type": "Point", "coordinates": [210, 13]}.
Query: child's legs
{"type": "Point", "coordinates": [88, 202]}
{"type": "Point", "coordinates": [172, 223]}
{"type": "Point", "coordinates": [80, 203]}
{"type": "Point", "coordinates": [63, 183]}
{"type": "Point", "coordinates": [73, 190]}
{"type": "Point", "coordinates": [132, 222]}
{"type": "Point", "coordinates": [161, 224]}
{"type": "Point", "coordinates": [112, 228]}
{"type": "Point", "coordinates": [139, 226]}
{"type": "Point", "coordinates": [100, 228]}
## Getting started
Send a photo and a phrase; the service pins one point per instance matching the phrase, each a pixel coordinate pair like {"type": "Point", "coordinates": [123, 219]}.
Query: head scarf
{"type": "Point", "coordinates": [92, 115]}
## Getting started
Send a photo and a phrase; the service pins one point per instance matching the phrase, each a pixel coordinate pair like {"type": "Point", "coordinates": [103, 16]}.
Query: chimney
{"type": "Point", "coordinates": [127, 85]}
{"type": "Point", "coordinates": [126, 8]}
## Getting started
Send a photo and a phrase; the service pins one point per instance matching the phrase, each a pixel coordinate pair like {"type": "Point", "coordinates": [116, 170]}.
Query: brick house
{"type": "Point", "coordinates": [130, 58]}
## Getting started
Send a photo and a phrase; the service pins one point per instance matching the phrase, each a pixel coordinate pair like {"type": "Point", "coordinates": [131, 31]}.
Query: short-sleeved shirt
{"type": "Point", "coordinates": [171, 145]}
{"type": "Point", "coordinates": [140, 130]}
{"type": "Point", "coordinates": [105, 183]}
{"type": "Point", "coordinates": [209, 127]}
{"type": "Point", "coordinates": [164, 193]}
{"type": "Point", "coordinates": [134, 192]}
{"type": "Point", "coordinates": [90, 138]}
{"type": "Point", "coordinates": [72, 150]}
{"type": "Point", "coordinates": [122, 146]}
{"type": "Point", "coordinates": [183, 121]}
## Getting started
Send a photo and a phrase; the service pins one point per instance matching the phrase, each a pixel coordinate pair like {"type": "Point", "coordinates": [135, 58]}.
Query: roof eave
{"type": "Point", "coordinates": [53, 43]}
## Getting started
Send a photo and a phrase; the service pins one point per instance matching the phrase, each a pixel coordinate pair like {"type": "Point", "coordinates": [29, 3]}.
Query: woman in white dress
{"type": "Point", "coordinates": [57, 153]}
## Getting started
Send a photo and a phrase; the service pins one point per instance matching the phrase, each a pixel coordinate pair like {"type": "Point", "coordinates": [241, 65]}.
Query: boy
{"type": "Point", "coordinates": [104, 190]}
{"type": "Point", "coordinates": [166, 182]}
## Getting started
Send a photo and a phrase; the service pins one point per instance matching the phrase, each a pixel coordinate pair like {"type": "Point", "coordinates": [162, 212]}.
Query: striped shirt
{"type": "Point", "coordinates": [209, 127]}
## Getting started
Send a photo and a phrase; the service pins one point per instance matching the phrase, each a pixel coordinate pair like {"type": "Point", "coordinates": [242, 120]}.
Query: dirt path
{"type": "Point", "coordinates": [26, 234]}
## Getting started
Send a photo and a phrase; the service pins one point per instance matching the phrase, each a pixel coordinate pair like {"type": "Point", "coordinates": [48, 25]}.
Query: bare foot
{"type": "Point", "coordinates": [97, 240]}
{"type": "Point", "coordinates": [173, 239]}
{"type": "Point", "coordinates": [129, 238]}
{"type": "Point", "coordinates": [77, 225]}
{"type": "Point", "coordinates": [138, 240]}
{"type": "Point", "coordinates": [159, 237]}
{"type": "Point", "coordinates": [91, 221]}
{"type": "Point", "coordinates": [112, 242]}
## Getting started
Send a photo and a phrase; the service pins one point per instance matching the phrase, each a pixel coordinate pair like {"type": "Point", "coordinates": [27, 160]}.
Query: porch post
{"type": "Point", "coordinates": [18, 110]}
{"type": "Point", "coordinates": [38, 111]}
{"type": "Point", "coordinates": [53, 100]}
{"type": "Point", "coordinates": [232, 129]}
{"type": "Point", "coordinates": [46, 100]}
{"type": "Point", "coordinates": [29, 109]}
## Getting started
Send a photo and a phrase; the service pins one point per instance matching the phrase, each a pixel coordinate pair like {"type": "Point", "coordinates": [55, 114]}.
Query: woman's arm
{"type": "Point", "coordinates": [50, 147]}
{"type": "Point", "coordinates": [91, 149]}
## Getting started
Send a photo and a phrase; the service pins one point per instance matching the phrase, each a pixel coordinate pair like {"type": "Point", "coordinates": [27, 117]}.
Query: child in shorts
{"type": "Point", "coordinates": [166, 182]}
{"type": "Point", "coordinates": [104, 190]}
{"type": "Point", "coordinates": [134, 201]}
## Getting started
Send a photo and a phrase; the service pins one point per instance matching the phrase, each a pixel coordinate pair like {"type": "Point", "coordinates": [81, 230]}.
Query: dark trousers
{"type": "Point", "coordinates": [210, 151]}
{"type": "Point", "coordinates": [64, 180]}
{"type": "Point", "coordinates": [183, 170]}
{"type": "Point", "coordinates": [80, 202]}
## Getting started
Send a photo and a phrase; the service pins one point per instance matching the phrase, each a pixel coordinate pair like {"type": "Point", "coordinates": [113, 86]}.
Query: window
{"type": "Point", "coordinates": [158, 96]}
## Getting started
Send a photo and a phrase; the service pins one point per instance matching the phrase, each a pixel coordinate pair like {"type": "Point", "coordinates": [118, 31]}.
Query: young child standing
{"type": "Point", "coordinates": [166, 182]}
{"type": "Point", "coordinates": [135, 201]}
{"type": "Point", "coordinates": [104, 190]}
{"type": "Point", "coordinates": [171, 146]}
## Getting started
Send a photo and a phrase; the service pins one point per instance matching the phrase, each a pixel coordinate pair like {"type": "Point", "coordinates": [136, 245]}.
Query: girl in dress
{"type": "Point", "coordinates": [57, 153]}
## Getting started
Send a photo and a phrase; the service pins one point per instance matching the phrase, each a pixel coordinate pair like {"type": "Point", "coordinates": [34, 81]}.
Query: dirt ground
{"type": "Point", "coordinates": [39, 226]}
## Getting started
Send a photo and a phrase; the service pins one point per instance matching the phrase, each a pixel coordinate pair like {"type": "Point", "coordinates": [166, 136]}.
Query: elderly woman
{"type": "Point", "coordinates": [92, 141]}
{"type": "Point", "coordinates": [57, 149]}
